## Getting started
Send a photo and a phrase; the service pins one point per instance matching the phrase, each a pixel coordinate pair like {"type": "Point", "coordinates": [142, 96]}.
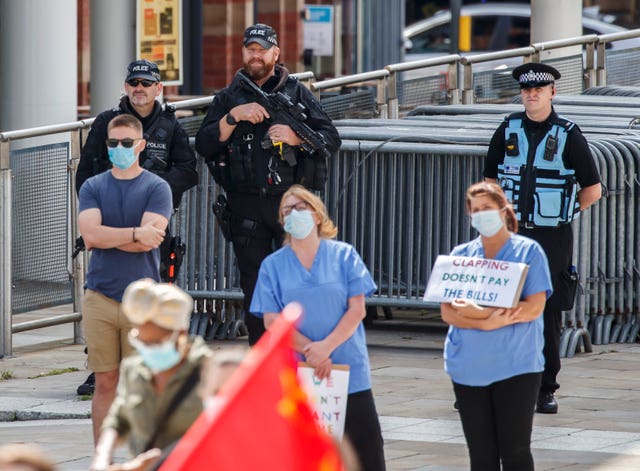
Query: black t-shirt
{"type": "Point", "coordinates": [576, 154]}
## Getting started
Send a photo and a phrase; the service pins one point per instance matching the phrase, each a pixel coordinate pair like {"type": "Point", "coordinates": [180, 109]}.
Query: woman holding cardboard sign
{"type": "Point", "coordinates": [330, 280]}
{"type": "Point", "coordinates": [494, 355]}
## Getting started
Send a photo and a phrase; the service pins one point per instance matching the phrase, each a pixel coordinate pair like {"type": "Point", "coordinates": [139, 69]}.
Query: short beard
{"type": "Point", "coordinates": [258, 74]}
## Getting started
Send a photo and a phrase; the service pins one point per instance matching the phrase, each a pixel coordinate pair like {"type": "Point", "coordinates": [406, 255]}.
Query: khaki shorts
{"type": "Point", "coordinates": [106, 331]}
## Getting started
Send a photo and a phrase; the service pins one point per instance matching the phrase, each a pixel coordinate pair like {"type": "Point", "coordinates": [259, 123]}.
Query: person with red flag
{"type": "Point", "coordinates": [289, 437]}
{"type": "Point", "coordinates": [331, 281]}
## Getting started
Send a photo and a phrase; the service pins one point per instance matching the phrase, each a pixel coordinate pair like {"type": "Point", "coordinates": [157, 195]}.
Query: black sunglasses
{"type": "Point", "coordinates": [127, 142]}
{"type": "Point", "coordinates": [145, 83]}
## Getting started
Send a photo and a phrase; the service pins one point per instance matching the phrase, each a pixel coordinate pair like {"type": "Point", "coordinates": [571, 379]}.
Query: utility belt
{"type": "Point", "coordinates": [266, 168]}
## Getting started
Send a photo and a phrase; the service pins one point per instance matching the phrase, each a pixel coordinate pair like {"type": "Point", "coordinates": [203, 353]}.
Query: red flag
{"type": "Point", "coordinates": [262, 420]}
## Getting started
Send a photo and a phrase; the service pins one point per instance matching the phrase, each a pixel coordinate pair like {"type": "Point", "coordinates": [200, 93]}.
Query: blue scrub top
{"type": "Point", "coordinates": [477, 357]}
{"type": "Point", "coordinates": [337, 274]}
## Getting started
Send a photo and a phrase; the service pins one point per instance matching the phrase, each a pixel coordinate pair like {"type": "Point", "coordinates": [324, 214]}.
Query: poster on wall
{"type": "Point", "coordinates": [159, 37]}
{"type": "Point", "coordinates": [318, 29]}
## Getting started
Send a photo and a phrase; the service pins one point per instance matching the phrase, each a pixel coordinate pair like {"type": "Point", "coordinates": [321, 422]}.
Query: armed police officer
{"type": "Point", "coordinates": [256, 157]}
{"type": "Point", "coordinates": [544, 165]}
{"type": "Point", "coordinates": [167, 153]}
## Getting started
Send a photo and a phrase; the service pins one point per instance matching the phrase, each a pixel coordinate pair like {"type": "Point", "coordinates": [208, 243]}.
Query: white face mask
{"type": "Point", "coordinates": [488, 222]}
{"type": "Point", "coordinates": [158, 357]}
{"type": "Point", "coordinates": [299, 223]}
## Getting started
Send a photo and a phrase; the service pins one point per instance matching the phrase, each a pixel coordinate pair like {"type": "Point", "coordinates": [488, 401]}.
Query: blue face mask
{"type": "Point", "coordinates": [487, 223]}
{"type": "Point", "coordinates": [122, 157]}
{"type": "Point", "coordinates": [299, 223]}
{"type": "Point", "coordinates": [158, 357]}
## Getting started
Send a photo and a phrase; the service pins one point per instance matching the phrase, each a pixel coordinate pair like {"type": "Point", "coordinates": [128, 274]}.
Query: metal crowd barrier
{"type": "Point", "coordinates": [385, 192]}
{"type": "Point", "coordinates": [606, 251]}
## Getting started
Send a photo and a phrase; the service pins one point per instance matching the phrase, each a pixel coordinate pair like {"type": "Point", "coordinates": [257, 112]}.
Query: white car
{"type": "Point", "coordinates": [488, 27]}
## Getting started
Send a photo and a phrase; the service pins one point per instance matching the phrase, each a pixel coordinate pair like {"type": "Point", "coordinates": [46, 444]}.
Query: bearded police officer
{"type": "Point", "coordinates": [167, 153]}
{"type": "Point", "coordinates": [256, 157]}
{"type": "Point", "coordinates": [544, 165]}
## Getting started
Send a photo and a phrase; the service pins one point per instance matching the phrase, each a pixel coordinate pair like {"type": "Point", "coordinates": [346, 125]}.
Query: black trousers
{"type": "Point", "coordinates": [557, 243]}
{"type": "Point", "coordinates": [256, 233]}
{"type": "Point", "coordinates": [362, 428]}
{"type": "Point", "coordinates": [497, 421]}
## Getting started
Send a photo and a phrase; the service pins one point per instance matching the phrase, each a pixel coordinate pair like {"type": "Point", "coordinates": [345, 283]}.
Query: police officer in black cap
{"type": "Point", "coordinates": [544, 165]}
{"type": "Point", "coordinates": [167, 153]}
{"type": "Point", "coordinates": [256, 159]}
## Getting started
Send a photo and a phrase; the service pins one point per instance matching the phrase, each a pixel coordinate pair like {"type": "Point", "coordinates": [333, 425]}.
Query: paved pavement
{"type": "Point", "coordinates": [598, 427]}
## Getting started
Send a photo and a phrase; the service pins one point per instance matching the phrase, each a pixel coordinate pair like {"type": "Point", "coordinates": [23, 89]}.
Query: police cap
{"type": "Point", "coordinates": [143, 69]}
{"type": "Point", "coordinates": [534, 74]}
{"type": "Point", "coordinates": [262, 34]}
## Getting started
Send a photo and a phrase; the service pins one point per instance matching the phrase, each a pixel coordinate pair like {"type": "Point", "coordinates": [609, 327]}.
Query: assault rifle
{"type": "Point", "coordinates": [283, 111]}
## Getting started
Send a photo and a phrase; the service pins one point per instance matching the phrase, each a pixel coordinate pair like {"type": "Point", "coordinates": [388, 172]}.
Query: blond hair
{"type": "Point", "coordinates": [326, 228]}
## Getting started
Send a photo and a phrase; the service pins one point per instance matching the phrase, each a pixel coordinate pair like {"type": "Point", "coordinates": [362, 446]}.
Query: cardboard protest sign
{"type": "Point", "coordinates": [488, 282]}
{"type": "Point", "coordinates": [328, 396]}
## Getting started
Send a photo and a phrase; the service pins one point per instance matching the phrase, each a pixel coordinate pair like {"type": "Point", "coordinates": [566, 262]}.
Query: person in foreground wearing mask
{"type": "Point", "coordinates": [331, 281]}
{"type": "Point", "coordinates": [123, 213]}
{"type": "Point", "coordinates": [494, 356]}
{"type": "Point", "coordinates": [157, 398]}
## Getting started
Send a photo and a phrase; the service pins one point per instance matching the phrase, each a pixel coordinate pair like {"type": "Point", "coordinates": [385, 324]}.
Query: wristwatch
{"type": "Point", "coordinates": [231, 121]}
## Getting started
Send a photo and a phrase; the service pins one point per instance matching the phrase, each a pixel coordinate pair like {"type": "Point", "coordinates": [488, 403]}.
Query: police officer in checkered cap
{"type": "Point", "coordinates": [543, 163]}
{"type": "Point", "coordinates": [534, 74]}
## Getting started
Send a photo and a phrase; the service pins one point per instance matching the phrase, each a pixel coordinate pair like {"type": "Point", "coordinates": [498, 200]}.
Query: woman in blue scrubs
{"type": "Point", "coordinates": [330, 280]}
{"type": "Point", "coordinates": [494, 356]}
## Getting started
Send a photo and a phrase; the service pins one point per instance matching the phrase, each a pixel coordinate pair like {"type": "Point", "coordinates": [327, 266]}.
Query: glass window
{"type": "Point", "coordinates": [483, 30]}
{"type": "Point", "coordinates": [519, 32]}
{"type": "Point", "coordinates": [432, 40]}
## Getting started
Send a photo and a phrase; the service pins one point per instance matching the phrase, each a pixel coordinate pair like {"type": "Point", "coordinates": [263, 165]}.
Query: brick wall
{"type": "Point", "coordinates": [84, 56]}
{"type": "Point", "coordinates": [224, 22]}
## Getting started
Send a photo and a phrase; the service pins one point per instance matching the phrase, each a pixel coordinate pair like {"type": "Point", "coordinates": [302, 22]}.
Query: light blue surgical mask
{"type": "Point", "coordinates": [488, 222]}
{"type": "Point", "coordinates": [299, 223]}
{"type": "Point", "coordinates": [158, 357]}
{"type": "Point", "coordinates": [122, 157]}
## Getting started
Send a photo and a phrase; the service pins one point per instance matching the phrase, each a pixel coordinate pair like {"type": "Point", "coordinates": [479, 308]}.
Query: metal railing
{"type": "Point", "coordinates": [451, 61]}
{"type": "Point", "coordinates": [592, 73]}
{"type": "Point", "coordinates": [378, 77]}
{"type": "Point", "coordinates": [363, 193]}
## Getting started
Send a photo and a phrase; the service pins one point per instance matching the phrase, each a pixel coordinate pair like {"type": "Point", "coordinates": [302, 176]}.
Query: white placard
{"type": "Point", "coordinates": [328, 396]}
{"type": "Point", "coordinates": [318, 29]}
{"type": "Point", "coordinates": [487, 282]}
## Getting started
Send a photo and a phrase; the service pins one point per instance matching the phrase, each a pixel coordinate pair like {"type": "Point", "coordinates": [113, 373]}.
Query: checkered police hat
{"type": "Point", "coordinates": [534, 74]}
{"type": "Point", "coordinates": [262, 34]}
